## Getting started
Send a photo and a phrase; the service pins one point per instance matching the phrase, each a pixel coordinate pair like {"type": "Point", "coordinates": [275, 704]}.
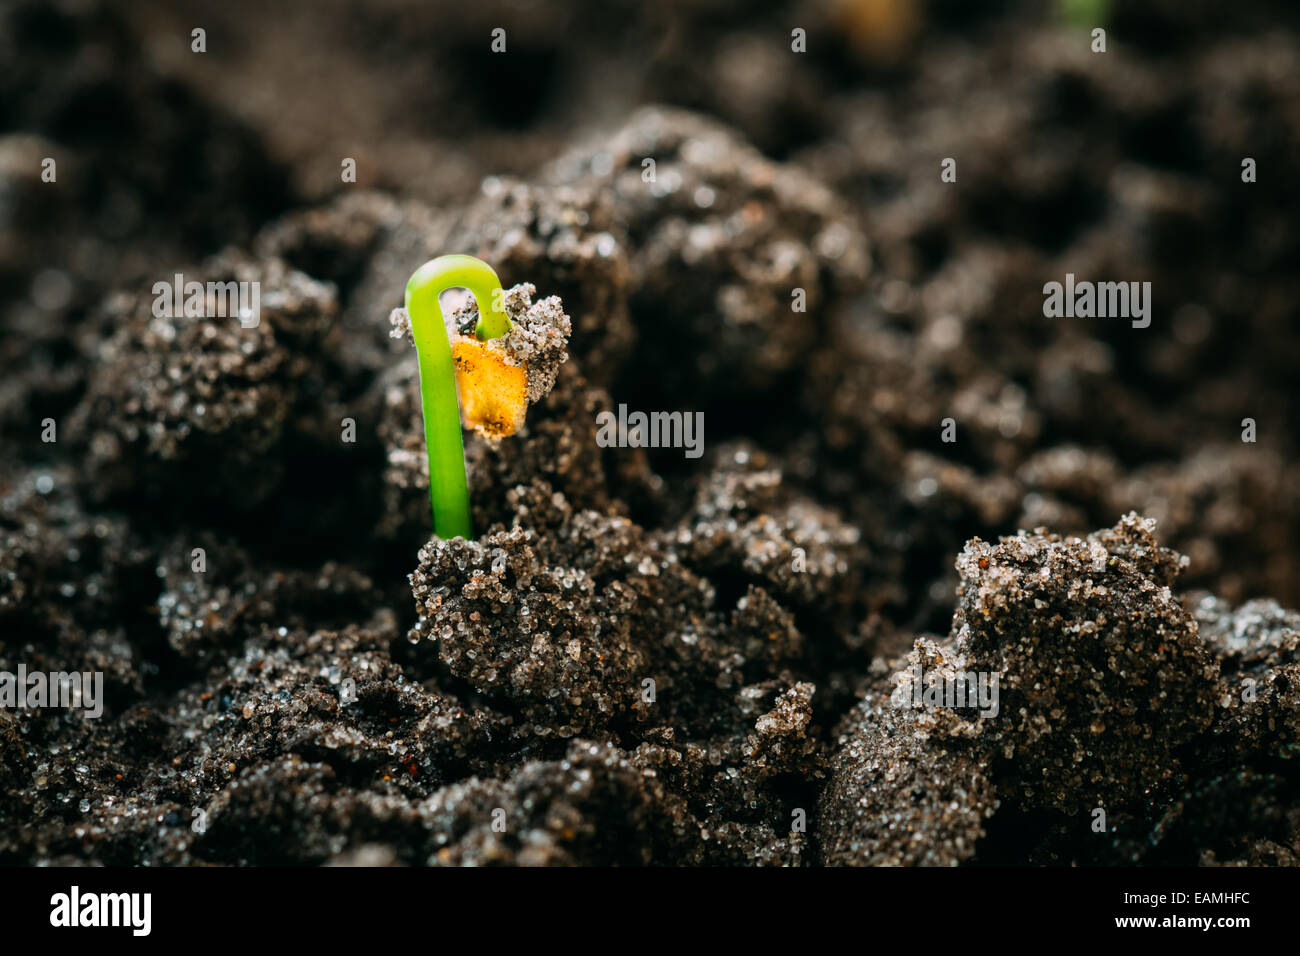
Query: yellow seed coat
{"type": "Point", "coordinates": [493, 390]}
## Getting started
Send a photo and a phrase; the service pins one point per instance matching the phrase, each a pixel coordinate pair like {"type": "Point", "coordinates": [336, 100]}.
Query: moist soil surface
{"type": "Point", "coordinates": [644, 656]}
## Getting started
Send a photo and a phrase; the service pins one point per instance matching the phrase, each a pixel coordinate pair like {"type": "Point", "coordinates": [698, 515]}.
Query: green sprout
{"type": "Point", "coordinates": [448, 486]}
{"type": "Point", "coordinates": [1084, 13]}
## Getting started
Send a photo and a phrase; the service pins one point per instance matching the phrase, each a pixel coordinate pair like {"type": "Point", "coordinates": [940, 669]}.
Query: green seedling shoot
{"type": "Point", "coordinates": [1084, 13]}
{"type": "Point", "coordinates": [448, 485]}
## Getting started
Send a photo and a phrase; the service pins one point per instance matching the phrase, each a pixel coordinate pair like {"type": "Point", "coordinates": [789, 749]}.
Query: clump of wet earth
{"type": "Point", "coordinates": [643, 657]}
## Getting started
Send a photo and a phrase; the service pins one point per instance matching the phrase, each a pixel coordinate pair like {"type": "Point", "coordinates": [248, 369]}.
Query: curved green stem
{"type": "Point", "coordinates": [448, 487]}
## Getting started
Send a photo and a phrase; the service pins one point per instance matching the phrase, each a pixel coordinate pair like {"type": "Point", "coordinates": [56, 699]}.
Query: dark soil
{"type": "Point", "coordinates": [645, 657]}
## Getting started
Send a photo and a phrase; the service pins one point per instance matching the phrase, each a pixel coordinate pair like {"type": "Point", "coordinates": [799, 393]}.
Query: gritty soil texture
{"type": "Point", "coordinates": [644, 658]}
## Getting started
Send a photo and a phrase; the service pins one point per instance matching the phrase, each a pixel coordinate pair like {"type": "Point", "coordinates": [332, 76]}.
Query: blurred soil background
{"type": "Point", "coordinates": [775, 171]}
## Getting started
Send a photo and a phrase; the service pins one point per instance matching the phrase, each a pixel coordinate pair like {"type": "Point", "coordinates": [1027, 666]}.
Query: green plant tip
{"type": "Point", "coordinates": [1084, 13]}
{"type": "Point", "coordinates": [448, 486]}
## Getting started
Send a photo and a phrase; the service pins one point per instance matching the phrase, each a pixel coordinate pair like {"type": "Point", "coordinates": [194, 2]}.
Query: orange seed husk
{"type": "Point", "coordinates": [493, 391]}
